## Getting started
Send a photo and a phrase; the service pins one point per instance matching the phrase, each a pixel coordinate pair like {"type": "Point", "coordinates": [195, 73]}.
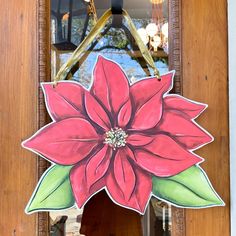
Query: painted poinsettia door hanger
{"type": "Point", "coordinates": [135, 141]}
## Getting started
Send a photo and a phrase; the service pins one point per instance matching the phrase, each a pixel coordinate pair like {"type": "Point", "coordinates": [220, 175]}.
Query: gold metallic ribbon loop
{"type": "Point", "coordinates": [94, 33]}
{"type": "Point", "coordinates": [142, 47]}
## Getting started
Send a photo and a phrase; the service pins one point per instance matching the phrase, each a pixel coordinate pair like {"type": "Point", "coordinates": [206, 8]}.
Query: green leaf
{"type": "Point", "coordinates": [53, 191]}
{"type": "Point", "coordinates": [191, 188]}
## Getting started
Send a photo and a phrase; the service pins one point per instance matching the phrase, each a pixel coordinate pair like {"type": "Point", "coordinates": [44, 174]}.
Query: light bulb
{"type": "Point", "coordinates": [152, 29]}
{"type": "Point", "coordinates": [155, 42]}
{"type": "Point", "coordinates": [143, 35]}
{"type": "Point", "coordinates": [164, 30]}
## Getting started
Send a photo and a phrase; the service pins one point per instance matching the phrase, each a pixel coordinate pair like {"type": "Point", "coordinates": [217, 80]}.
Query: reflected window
{"type": "Point", "coordinates": [71, 20]}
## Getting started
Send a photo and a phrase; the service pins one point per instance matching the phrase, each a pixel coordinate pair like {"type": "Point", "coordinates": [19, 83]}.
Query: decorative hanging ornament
{"type": "Point", "coordinates": [135, 141]}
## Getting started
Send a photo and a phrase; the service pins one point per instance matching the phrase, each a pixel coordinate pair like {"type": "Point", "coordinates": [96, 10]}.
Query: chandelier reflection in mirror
{"type": "Point", "coordinates": [155, 35]}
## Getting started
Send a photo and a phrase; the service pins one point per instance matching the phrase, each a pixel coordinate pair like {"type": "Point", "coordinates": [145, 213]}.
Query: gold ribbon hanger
{"type": "Point", "coordinates": [93, 34]}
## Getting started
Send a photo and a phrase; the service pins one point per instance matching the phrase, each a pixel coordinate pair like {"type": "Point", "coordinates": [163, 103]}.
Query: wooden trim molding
{"type": "Point", "coordinates": [175, 63]}
{"type": "Point", "coordinates": [178, 215]}
{"type": "Point", "coordinates": [43, 76]}
{"type": "Point", "coordinates": [178, 222]}
{"type": "Point", "coordinates": [175, 43]}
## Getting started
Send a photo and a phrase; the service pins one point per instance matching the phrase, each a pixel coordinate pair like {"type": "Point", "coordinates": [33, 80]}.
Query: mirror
{"type": "Point", "coordinates": [71, 20]}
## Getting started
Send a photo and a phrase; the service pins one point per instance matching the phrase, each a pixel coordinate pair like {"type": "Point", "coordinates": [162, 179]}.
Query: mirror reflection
{"type": "Point", "coordinates": [71, 20]}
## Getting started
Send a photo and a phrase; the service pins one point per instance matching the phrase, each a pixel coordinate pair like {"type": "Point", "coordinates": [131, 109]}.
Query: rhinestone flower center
{"type": "Point", "coordinates": [116, 138]}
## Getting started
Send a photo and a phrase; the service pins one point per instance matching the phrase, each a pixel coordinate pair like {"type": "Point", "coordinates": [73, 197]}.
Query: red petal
{"type": "Point", "coordinates": [178, 103]}
{"type": "Point", "coordinates": [139, 139]}
{"type": "Point", "coordinates": [183, 130]}
{"type": "Point", "coordinates": [64, 100]}
{"type": "Point", "coordinates": [124, 114]}
{"type": "Point", "coordinates": [65, 142]}
{"type": "Point", "coordinates": [140, 196]}
{"type": "Point", "coordinates": [165, 147]}
{"type": "Point", "coordinates": [96, 112]}
{"type": "Point", "coordinates": [162, 167]}
{"type": "Point", "coordinates": [143, 189]}
{"type": "Point", "coordinates": [164, 157]}
{"type": "Point", "coordinates": [110, 86]}
{"type": "Point", "coordinates": [124, 173]}
{"type": "Point", "coordinates": [147, 97]}
{"type": "Point", "coordinates": [82, 191]}
{"type": "Point", "coordinates": [97, 165]}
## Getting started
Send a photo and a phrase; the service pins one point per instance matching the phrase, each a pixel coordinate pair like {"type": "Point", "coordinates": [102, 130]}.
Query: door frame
{"type": "Point", "coordinates": [44, 75]}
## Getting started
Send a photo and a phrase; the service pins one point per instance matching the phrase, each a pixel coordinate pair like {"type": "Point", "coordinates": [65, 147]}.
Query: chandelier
{"type": "Point", "coordinates": [155, 34]}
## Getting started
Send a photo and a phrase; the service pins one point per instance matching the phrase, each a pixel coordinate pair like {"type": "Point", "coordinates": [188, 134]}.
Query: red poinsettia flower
{"type": "Point", "coordinates": [118, 136]}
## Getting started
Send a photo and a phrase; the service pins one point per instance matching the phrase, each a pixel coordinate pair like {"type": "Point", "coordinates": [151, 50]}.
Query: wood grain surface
{"type": "Point", "coordinates": [175, 59]}
{"type": "Point", "coordinates": [18, 114]}
{"type": "Point", "coordinates": [44, 71]}
{"type": "Point", "coordinates": [204, 65]}
{"type": "Point", "coordinates": [205, 79]}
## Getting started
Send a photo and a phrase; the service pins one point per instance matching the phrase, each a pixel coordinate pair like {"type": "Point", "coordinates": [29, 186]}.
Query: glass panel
{"type": "Point", "coordinates": [151, 19]}
{"type": "Point", "coordinates": [157, 220]}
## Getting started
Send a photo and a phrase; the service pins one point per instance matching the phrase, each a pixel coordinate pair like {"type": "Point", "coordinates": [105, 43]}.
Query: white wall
{"type": "Point", "coordinates": [232, 103]}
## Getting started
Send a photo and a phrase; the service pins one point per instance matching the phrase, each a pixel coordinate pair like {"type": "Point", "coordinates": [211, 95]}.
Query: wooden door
{"type": "Point", "coordinates": [205, 79]}
{"type": "Point", "coordinates": [18, 113]}
{"type": "Point", "coordinates": [22, 66]}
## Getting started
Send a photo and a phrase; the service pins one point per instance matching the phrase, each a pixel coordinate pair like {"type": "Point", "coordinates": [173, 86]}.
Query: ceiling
{"type": "Point", "coordinates": [136, 8]}
{"type": "Point", "coordinates": [128, 4]}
